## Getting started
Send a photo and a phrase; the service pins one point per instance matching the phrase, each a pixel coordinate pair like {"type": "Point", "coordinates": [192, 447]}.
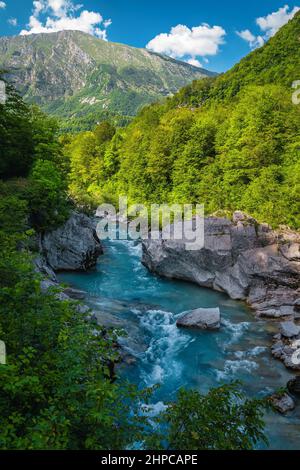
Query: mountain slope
{"type": "Point", "coordinates": [278, 61]}
{"type": "Point", "coordinates": [73, 74]}
{"type": "Point", "coordinates": [231, 142]}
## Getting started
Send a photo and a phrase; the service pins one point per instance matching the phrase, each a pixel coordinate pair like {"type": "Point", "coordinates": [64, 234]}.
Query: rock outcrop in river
{"type": "Point", "coordinates": [201, 318]}
{"type": "Point", "coordinates": [247, 260]}
{"type": "Point", "coordinates": [72, 247]}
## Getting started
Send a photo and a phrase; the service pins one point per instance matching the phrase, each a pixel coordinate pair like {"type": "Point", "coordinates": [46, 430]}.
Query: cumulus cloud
{"type": "Point", "coordinates": [2, 5]}
{"type": "Point", "coordinates": [50, 16]}
{"type": "Point", "coordinates": [269, 25]}
{"type": "Point", "coordinates": [185, 43]}
{"type": "Point", "coordinates": [194, 62]}
{"type": "Point", "coordinates": [254, 41]}
{"type": "Point", "coordinates": [12, 21]}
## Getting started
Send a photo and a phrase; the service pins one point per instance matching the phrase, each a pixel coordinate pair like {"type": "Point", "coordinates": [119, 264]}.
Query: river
{"type": "Point", "coordinates": [147, 306]}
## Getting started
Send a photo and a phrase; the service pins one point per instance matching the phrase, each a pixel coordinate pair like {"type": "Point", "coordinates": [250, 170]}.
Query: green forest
{"type": "Point", "coordinates": [230, 142]}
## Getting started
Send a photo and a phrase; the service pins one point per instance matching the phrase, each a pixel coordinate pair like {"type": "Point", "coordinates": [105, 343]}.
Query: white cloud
{"type": "Point", "coordinates": [194, 62]}
{"type": "Point", "coordinates": [269, 25]}
{"type": "Point", "coordinates": [2, 5]}
{"type": "Point", "coordinates": [107, 23]}
{"type": "Point", "coordinates": [183, 42]}
{"type": "Point", "coordinates": [49, 16]}
{"type": "Point", "coordinates": [59, 7]}
{"type": "Point", "coordinates": [13, 21]}
{"type": "Point", "coordinates": [254, 41]}
{"type": "Point", "coordinates": [38, 6]}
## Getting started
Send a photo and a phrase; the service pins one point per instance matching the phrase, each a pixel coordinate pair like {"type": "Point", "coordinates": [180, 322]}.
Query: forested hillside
{"type": "Point", "coordinates": [231, 142]}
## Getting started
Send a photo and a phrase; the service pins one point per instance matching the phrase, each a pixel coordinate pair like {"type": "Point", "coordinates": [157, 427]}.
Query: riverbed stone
{"type": "Point", "coordinates": [75, 294]}
{"type": "Point", "coordinates": [283, 403]}
{"type": "Point", "coordinates": [289, 329]}
{"type": "Point", "coordinates": [200, 318]}
{"type": "Point", "coordinates": [47, 284]}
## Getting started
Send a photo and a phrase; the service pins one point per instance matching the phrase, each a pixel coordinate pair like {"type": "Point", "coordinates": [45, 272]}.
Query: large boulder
{"type": "Point", "coordinates": [75, 294]}
{"type": "Point", "coordinates": [200, 318]}
{"type": "Point", "coordinates": [72, 247]}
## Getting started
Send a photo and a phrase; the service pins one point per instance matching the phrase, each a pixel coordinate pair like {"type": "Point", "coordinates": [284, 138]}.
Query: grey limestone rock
{"type": "Point", "coordinates": [201, 318]}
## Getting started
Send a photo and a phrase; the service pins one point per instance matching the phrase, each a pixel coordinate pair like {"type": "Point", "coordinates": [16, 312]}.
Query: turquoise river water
{"type": "Point", "coordinates": [147, 306]}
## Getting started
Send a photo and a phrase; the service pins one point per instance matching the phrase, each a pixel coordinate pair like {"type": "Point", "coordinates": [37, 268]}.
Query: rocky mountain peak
{"type": "Point", "coordinates": [71, 73]}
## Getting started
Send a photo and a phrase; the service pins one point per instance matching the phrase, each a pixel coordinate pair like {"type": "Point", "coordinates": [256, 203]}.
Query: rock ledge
{"type": "Point", "coordinates": [247, 260]}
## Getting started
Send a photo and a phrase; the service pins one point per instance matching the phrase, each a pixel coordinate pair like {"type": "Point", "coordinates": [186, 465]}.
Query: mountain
{"type": "Point", "coordinates": [71, 74]}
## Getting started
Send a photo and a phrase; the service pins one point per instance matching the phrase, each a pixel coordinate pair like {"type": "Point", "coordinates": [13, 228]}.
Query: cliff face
{"type": "Point", "coordinates": [245, 259]}
{"type": "Point", "coordinates": [249, 262]}
{"type": "Point", "coordinates": [71, 73]}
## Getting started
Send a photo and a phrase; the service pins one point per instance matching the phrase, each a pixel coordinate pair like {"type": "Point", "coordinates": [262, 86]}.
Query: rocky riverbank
{"type": "Point", "coordinates": [157, 318]}
{"type": "Point", "coordinates": [72, 247]}
{"type": "Point", "coordinates": [248, 261]}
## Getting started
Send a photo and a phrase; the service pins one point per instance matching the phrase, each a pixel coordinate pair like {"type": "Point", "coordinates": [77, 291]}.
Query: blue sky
{"type": "Point", "coordinates": [213, 43]}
